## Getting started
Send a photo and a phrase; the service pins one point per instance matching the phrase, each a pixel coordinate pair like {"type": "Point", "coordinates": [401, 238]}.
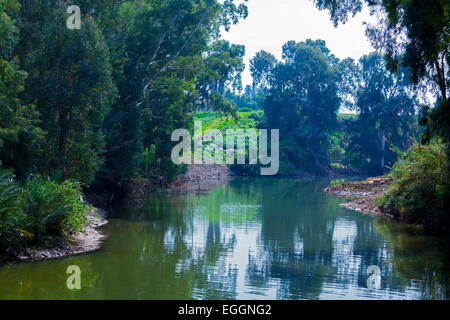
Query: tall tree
{"type": "Point", "coordinates": [414, 34]}
{"type": "Point", "coordinates": [302, 102]}
{"type": "Point", "coordinates": [261, 68]}
{"type": "Point", "coordinates": [70, 80]}
{"type": "Point", "coordinates": [386, 108]}
{"type": "Point", "coordinates": [20, 136]}
{"type": "Point", "coordinates": [160, 51]}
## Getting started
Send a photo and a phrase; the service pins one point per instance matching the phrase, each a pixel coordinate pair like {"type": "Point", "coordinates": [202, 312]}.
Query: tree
{"type": "Point", "coordinates": [386, 108]}
{"type": "Point", "coordinates": [223, 66]}
{"type": "Point", "coordinates": [70, 80]}
{"type": "Point", "coordinates": [302, 102]}
{"type": "Point", "coordinates": [20, 136]}
{"type": "Point", "coordinates": [415, 35]}
{"type": "Point", "coordinates": [261, 68]}
{"type": "Point", "coordinates": [166, 62]}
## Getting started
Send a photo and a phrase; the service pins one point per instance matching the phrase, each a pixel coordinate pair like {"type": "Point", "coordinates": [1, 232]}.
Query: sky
{"type": "Point", "coordinates": [271, 23]}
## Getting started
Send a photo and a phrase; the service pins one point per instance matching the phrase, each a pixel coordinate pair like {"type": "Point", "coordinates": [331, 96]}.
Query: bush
{"type": "Point", "coordinates": [419, 191]}
{"type": "Point", "coordinates": [54, 209]}
{"type": "Point", "coordinates": [11, 217]}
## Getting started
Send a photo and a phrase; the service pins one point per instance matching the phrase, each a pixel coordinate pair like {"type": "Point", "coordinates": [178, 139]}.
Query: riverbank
{"type": "Point", "coordinates": [201, 178]}
{"type": "Point", "coordinates": [363, 195]}
{"type": "Point", "coordinates": [89, 240]}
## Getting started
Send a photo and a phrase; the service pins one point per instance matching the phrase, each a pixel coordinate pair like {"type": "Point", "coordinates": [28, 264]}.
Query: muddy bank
{"type": "Point", "coordinates": [363, 195]}
{"type": "Point", "coordinates": [201, 178]}
{"type": "Point", "coordinates": [87, 241]}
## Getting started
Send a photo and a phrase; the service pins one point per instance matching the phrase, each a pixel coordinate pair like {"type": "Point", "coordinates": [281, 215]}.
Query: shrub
{"type": "Point", "coordinates": [54, 209]}
{"type": "Point", "coordinates": [420, 188]}
{"type": "Point", "coordinates": [11, 217]}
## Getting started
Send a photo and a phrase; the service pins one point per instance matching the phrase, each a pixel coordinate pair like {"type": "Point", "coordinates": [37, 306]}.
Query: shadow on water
{"type": "Point", "coordinates": [251, 239]}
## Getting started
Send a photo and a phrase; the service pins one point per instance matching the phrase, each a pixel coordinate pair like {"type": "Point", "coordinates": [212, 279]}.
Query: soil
{"type": "Point", "coordinates": [87, 241]}
{"type": "Point", "coordinates": [363, 194]}
{"type": "Point", "coordinates": [201, 178]}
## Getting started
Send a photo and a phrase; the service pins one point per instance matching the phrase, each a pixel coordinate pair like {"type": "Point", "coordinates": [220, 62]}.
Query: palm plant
{"type": "Point", "coordinates": [53, 209]}
{"type": "Point", "coordinates": [11, 217]}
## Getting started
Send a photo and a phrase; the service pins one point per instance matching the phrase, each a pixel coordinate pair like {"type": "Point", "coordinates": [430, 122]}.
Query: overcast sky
{"type": "Point", "coordinates": [271, 23]}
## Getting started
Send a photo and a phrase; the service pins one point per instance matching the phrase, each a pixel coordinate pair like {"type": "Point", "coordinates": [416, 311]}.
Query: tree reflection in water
{"type": "Point", "coordinates": [253, 238]}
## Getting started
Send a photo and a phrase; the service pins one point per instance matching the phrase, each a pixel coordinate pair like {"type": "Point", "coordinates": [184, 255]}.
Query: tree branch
{"type": "Point", "coordinates": [176, 54]}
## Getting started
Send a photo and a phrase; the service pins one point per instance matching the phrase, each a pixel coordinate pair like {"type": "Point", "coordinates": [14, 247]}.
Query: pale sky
{"type": "Point", "coordinates": [271, 23]}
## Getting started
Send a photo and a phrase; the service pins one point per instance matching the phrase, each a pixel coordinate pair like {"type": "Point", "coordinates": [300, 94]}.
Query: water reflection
{"type": "Point", "coordinates": [250, 239]}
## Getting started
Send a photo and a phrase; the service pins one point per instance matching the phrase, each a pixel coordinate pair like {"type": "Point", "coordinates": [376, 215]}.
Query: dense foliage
{"type": "Point", "coordinates": [414, 36]}
{"type": "Point", "coordinates": [54, 209]}
{"type": "Point", "coordinates": [87, 104]}
{"type": "Point", "coordinates": [386, 106]}
{"type": "Point", "coordinates": [419, 188]}
{"type": "Point", "coordinates": [40, 212]}
{"type": "Point", "coordinates": [304, 93]}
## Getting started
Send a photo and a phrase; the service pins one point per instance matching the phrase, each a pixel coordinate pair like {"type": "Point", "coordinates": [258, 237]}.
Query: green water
{"type": "Point", "coordinates": [250, 239]}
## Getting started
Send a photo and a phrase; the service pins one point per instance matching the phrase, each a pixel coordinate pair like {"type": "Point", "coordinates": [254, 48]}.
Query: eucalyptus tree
{"type": "Point", "coordinates": [70, 82]}
{"type": "Point", "coordinates": [414, 34]}
{"type": "Point", "coordinates": [20, 136]}
{"type": "Point", "coordinates": [386, 108]}
{"type": "Point", "coordinates": [261, 68]}
{"type": "Point", "coordinates": [161, 51]}
{"type": "Point", "coordinates": [302, 102]}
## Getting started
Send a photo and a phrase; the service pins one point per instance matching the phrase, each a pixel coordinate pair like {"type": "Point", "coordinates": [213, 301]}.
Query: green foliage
{"type": "Point", "coordinates": [243, 120]}
{"type": "Point", "coordinates": [261, 67]}
{"type": "Point", "coordinates": [148, 159]}
{"type": "Point", "coordinates": [250, 99]}
{"type": "Point", "coordinates": [302, 102]}
{"type": "Point", "coordinates": [40, 210]}
{"type": "Point", "coordinates": [437, 122]}
{"type": "Point", "coordinates": [168, 61]}
{"type": "Point", "coordinates": [420, 189]}
{"type": "Point", "coordinates": [386, 107]}
{"type": "Point", "coordinates": [86, 104]}
{"type": "Point", "coordinates": [11, 217]}
{"type": "Point", "coordinates": [424, 49]}
{"type": "Point", "coordinates": [70, 78]}
{"type": "Point", "coordinates": [54, 209]}
{"type": "Point", "coordinates": [20, 136]}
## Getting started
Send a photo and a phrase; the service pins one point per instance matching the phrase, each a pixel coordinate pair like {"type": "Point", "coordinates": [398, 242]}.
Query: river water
{"type": "Point", "coordinates": [253, 238]}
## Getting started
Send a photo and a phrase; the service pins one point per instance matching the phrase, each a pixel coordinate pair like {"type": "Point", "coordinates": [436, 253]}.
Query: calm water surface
{"type": "Point", "coordinates": [251, 239]}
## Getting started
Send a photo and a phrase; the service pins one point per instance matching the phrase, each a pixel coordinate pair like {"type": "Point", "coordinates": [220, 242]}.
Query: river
{"type": "Point", "coordinates": [253, 238]}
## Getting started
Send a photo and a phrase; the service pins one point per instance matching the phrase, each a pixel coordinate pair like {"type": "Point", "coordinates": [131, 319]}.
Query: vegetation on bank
{"type": "Point", "coordinates": [40, 212]}
{"type": "Point", "coordinates": [420, 186]}
{"type": "Point", "coordinates": [420, 189]}
{"type": "Point", "coordinates": [416, 191]}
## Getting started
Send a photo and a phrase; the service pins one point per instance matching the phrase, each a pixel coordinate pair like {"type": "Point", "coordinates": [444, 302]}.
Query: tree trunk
{"type": "Point", "coordinates": [62, 143]}
{"type": "Point", "coordinates": [382, 150]}
{"type": "Point", "coordinates": [441, 78]}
